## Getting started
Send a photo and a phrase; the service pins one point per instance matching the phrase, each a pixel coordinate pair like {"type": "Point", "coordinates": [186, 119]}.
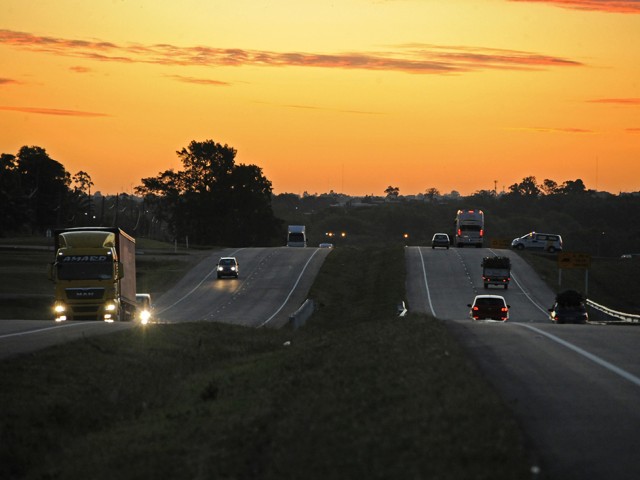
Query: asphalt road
{"type": "Point", "coordinates": [273, 284]}
{"type": "Point", "coordinates": [574, 388]}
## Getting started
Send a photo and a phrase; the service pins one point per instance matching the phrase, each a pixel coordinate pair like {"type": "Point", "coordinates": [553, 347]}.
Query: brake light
{"type": "Point", "coordinates": [475, 309]}
{"type": "Point", "coordinates": [481, 233]}
{"type": "Point", "coordinates": [459, 232]}
{"type": "Point", "coordinates": [504, 309]}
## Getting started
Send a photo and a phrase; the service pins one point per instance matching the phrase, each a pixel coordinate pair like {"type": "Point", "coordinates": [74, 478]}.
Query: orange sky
{"type": "Point", "coordinates": [349, 95]}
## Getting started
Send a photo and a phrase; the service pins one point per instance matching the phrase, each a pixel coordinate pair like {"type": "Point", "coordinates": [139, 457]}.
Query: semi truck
{"type": "Point", "coordinates": [94, 272]}
{"type": "Point", "coordinates": [496, 271]}
{"type": "Point", "coordinates": [296, 236]}
{"type": "Point", "coordinates": [469, 228]}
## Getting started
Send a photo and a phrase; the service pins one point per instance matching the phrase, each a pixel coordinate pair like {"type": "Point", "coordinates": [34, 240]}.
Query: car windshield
{"type": "Point", "coordinates": [227, 261]}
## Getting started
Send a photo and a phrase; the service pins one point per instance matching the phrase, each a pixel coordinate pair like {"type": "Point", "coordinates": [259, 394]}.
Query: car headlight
{"type": "Point", "coordinates": [220, 269]}
{"type": "Point", "coordinates": [233, 269]}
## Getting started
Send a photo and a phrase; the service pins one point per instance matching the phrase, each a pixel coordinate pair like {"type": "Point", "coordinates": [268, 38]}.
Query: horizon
{"type": "Point", "coordinates": [464, 95]}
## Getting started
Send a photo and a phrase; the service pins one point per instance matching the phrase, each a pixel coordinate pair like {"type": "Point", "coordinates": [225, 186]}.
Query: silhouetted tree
{"type": "Point", "coordinates": [213, 200]}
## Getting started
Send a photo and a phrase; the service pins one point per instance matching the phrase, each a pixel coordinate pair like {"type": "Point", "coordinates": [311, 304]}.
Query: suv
{"type": "Point", "coordinates": [489, 307]}
{"type": "Point", "coordinates": [228, 267]}
{"type": "Point", "coordinates": [569, 307]}
{"type": "Point", "coordinates": [548, 242]}
{"type": "Point", "coordinates": [440, 240]}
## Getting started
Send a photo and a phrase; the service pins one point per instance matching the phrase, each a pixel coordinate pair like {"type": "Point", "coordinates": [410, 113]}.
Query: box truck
{"type": "Point", "coordinates": [469, 228]}
{"type": "Point", "coordinates": [94, 272]}
{"type": "Point", "coordinates": [496, 271]}
{"type": "Point", "coordinates": [296, 236]}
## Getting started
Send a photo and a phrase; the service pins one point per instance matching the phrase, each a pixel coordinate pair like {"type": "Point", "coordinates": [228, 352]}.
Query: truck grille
{"type": "Point", "coordinates": [85, 293]}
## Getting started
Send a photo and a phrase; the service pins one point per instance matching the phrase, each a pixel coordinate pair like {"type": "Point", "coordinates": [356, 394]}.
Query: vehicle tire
{"type": "Point", "coordinates": [551, 250]}
{"type": "Point", "coordinates": [486, 286]}
{"type": "Point", "coordinates": [432, 247]}
{"type": "Point", "coordinates": [447, 247]}
{"type": "Point", "coordinates": [519, 246]}
{"type": "Point", "coordinates": [506, 286]}
{"type": "Point", "coordinates": [219, 276]}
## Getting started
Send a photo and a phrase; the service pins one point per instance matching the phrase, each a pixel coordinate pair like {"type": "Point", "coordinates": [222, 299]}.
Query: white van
{"type": "Point", "coordinates": [548, 242]}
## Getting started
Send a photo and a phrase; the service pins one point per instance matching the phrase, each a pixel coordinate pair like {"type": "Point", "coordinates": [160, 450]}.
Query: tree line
{"type": "Point", "coordinates": [213, 200]}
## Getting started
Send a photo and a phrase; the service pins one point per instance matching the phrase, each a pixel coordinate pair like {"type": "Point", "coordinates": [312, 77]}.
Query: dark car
{"type": "Point", "coordinates": [489, 307]}
{"type": "Point", "coordinates": [440, 240]}
{"type": "Point", "coordinates": [569, 307]}
{"type": "Point", "coordinates": [228, 267]}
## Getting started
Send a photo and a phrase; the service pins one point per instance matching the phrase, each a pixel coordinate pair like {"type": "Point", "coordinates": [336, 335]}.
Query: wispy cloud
{"type": "Point", "coordinates": [413, 58]}
{"type": "Point", "coordinates": [80, 69]}
{"type": "Point", "coordinates": [199, 81]}
{"type": "Point", "coordinates": [53, 111]}
{"type": "Point", "coordinates": [612, 6]}
{"type": "Point", "coordinates": [566, 130]}
{"type": "Point", "coordinates": [8, 81]}
{"type": "Point", "coordinates": [635, 131]}
{"type": "Point", "coordinates": [633, 102]}
{"type": "Point", "coordinates": [327, 109]}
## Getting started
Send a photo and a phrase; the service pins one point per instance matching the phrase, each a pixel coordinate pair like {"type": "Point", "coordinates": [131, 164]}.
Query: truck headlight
{"type": "Point", "coordinates": [145, 315]}
{"type": "Point", "coordinates": [59, 308]}
{"type": "Point", "coordinates": [110, 307]}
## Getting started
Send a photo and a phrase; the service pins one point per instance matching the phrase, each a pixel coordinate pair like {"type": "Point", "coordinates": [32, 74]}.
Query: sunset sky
{"type": "Point", "coordinates": [344, 95]}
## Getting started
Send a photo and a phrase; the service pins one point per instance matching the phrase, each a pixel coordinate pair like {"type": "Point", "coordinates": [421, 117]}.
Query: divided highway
{"type": "Point", "coordinates": [574, 388]}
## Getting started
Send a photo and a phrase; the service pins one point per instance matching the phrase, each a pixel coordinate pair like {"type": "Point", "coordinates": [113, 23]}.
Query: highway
{"type": "Point", "coordinates": [272, 285]}
{"type": "Point", "coordinates": [574, 388]}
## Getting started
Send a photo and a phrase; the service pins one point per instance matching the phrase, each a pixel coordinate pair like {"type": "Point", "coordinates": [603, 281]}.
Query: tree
{"type": "Point", "coordinates": [432, 193]}
{"type": "Point", "coordinates": [392, 192]}
{"type": "Point", "coordinates": [212, 200]}
{"type": "Point", "coordinates": [527, 188]}
{"type": "Point", "coordinates": [549, 187]}
{"type": "Point", "coordinates": [573, 187]}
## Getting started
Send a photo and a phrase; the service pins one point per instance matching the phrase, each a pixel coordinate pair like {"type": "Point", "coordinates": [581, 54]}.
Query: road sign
{"type": "Point", "coordinates": [500, 243]}
{"type": "Point", "coordinates": [574, 260]}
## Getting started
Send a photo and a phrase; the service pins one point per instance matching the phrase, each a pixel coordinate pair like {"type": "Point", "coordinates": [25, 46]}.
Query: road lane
{"type": "Point", "coordinates": [574, 388]}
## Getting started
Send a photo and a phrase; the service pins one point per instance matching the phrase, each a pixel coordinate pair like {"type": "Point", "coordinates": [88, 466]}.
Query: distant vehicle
{"type": "Point", "coordinates": [143, 301]}
{"type": "Point", "coordinates": [489, 307]}
{"type": "Point", "coordinates": [94, 272]}
{"type": "Point", "coordinates": [548, 242]}
{"type": "Point", "coordinates": [469, 228]}
{"type": "Point", "coordinates": [228, 267]}
{"type": "Point", "coordinates": [296, 236]}
{"type": "Point", "coordinates": [440, 240]}
{"type": "Point", "coordinates": [569, 307]}
{"type": "Point", "coordinates": [326, 245]}
{"type": "Point", "coordinates": [496, 271]}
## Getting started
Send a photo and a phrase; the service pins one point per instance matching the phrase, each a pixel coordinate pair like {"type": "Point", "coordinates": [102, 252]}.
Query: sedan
{"type": "Point", "coordinates": [489, 307]}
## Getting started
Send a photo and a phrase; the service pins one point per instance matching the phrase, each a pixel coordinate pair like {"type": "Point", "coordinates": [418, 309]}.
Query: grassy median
{"type": "Point", "coordinates": [357, 393]}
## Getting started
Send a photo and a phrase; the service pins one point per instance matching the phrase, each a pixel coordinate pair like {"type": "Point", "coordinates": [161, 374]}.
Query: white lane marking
{"type": "Point", "coordinates": [38, 330]}
{"type": "Point", "coordinates": [291, 292]}
{"type": "Point", "coordinates": [194, 288]}
{"type": "Point", "coordinates": [426, 284]}
{"type": "Point", "coordinates": [594, 358]}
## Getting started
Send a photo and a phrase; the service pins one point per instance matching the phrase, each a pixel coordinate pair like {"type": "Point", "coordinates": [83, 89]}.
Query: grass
{"type": "Point", "coordinates": [357, 393]}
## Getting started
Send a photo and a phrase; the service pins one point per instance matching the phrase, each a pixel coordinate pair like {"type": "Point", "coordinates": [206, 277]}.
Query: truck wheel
{"type": "Point", "coordinates": [506, 286]}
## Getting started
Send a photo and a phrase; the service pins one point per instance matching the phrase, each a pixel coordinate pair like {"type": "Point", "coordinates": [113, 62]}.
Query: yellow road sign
{"type": "Point", "coordinates": [574, 260]}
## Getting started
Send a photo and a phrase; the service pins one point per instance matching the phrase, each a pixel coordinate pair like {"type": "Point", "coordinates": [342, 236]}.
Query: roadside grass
{"type": "Point", "coordinates": [612, 282]}
{"type": "Point", "coordinates": [356, 393]}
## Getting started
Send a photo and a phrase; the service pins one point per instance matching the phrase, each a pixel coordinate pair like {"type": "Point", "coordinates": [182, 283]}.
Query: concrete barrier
{"type": "Point", "coordinates": [619, 316]}
{"type": "Point", "coordinates": [300, 316]}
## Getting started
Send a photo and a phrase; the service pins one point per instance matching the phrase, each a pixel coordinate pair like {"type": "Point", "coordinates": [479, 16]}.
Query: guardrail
{"type": "Point", "coordinates": [625, 317]}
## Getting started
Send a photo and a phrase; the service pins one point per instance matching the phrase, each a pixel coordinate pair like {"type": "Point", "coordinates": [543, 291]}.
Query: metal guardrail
{"type": "Point", "coordinates": [625, 317]}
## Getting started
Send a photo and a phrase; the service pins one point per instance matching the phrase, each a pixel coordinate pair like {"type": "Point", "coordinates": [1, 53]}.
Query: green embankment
{"type": "Point", "coordinates": [357, 393]}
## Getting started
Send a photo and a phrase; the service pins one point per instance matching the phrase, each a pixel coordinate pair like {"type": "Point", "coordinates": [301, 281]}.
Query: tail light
{"type": "Point", "coordinates": [459, 232]}
{"type": "Point", "coordinates": [475, 309]}
{"type": "Point", "coordinates": [504, 309]}
{"type": "Point", "coordinates": [481, 233]}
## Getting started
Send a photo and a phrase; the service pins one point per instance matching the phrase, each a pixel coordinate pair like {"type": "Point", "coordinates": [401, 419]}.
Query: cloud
{"type": "Point", "coordinates": [635, 131]}
{"type": "Point", "coordinates": [633, 102]}
{"type": "Point", "coordinates": [612, 6]}
{"type": "Point", "coordinates": [199, 81]}
{"type": "Point", "coordinates": [569, 130]}
{"type": "Point", "coordinates": [79, 69]}
{"type": "Point", "coordinates": [53, 111]}
{"type": "Point", "coordinates": [411, 58]}
{"type": "Point", "coordinates": [328, 109]}
{"type": "Point", "coordinates": [9, 81]}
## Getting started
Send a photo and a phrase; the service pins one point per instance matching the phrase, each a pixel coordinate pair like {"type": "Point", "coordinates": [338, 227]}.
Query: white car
{"type": "Point", "coordinates": [489, 307]}
{"type": "Point", "coordinates": [228, 267]}
{"type": "Point", "coordinates": [548, 242]}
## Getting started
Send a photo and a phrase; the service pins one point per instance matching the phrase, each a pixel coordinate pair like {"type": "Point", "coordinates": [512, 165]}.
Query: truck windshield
{"type": "Point", "coordinates": [470, 228]}
{"type": "Point", "coordinates": [296, 237]}
{"type": "Point", "coordinates": [85, 271]}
